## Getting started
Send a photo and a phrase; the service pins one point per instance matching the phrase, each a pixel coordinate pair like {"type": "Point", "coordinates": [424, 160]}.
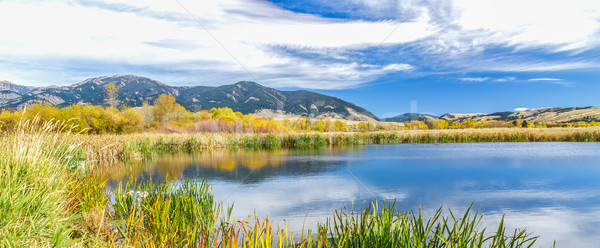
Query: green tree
{"type": "Point", "coordinates": [524, 124]}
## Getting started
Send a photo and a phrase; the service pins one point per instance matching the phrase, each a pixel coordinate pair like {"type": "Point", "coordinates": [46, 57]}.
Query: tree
{"type": "Point", "coordinates": [340, 126]}
{"type": "Point", "coordinates": [470, 123]}
{"type": "Point", "coordinates": [524, 124]}
{"type": "Point", "coordinates": [437, 124]}
{"type": "Point", "coordinates": [147, 113]}
{"type": "Point", "coordinates": [320, 126]}
{"type": "Point", "coordinates": [165, 108]}
{"type": "Point", "coordinates": [112, 95]}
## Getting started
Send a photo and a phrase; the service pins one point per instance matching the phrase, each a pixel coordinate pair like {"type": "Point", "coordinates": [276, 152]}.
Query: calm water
{"type": "Point", "coordinates": [553, 189]}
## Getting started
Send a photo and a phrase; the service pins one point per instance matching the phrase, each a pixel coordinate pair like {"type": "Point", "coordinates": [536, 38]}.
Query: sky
{"type": "Point", "coordinates": [388, 56]}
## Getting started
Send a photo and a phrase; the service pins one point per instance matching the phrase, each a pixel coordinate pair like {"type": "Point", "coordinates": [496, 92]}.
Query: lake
{"type": "Point", "coordinates": [552, 189]}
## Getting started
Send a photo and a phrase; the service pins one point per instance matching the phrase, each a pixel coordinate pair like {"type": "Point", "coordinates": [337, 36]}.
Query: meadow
{"type": "Point", "coordinates": [49, 198]}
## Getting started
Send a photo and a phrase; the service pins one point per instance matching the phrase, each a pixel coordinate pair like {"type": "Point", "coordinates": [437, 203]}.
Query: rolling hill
{"type": "Point", "coordinates": [411, 117]}
{"type": "Point", "coordinates": [542, 115]}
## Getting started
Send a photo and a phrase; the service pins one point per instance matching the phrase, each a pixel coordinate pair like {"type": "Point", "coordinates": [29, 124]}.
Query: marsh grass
{"type": "Point", "coordinates": [377, 226]}
{"type": "Point", "coordinates": [165, 214]}
{"type": "Point", "coordinates": [185, 215]}
{"type": "Point", "coordinates": [109, 149]}
{"type": "Point", "coordinates": [34, 185]}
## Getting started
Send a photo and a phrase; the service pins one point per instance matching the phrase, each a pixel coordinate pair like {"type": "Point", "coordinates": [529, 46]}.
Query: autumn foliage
{"type": "Point", "coordinates": [166, 115]}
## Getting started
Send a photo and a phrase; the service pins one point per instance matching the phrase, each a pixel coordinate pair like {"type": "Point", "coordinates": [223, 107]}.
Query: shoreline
{"type": "Point", "coordinates": [123, 147]}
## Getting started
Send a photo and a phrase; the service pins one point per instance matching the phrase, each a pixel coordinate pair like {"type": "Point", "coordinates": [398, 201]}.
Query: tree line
{"type": "Point", "coordinates": [166, 115]}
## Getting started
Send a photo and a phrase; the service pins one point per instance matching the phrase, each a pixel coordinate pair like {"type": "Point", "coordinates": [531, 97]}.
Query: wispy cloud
{"type": "Point", "coordinates": [552, 81]}
{"type": "Point", "coordinates": [544, 66]}
{"type": "Point", "coordinates": [505, 79]}
{"type": "Point", "coordinates": [545, 79]}
{"type": "Point", "coordinates": [474, 79]}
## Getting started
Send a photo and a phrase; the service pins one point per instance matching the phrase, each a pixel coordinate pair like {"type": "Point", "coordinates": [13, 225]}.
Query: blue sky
{"type": "Point", "coordinates": [458, 56]}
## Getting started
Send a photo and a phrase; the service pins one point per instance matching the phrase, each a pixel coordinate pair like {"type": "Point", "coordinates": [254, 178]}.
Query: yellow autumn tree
{"type": "Point", "coordinates": [339, 126]}
{"type": "Point", "coordinates": [166, 109]}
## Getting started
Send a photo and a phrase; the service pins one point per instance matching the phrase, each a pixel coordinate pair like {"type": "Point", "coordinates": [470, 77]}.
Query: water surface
{"type": "Point", "coordinates": [552, 189]}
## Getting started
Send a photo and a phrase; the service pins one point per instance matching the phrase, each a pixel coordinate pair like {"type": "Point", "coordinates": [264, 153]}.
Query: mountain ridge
{"type": "Point", "coordinates": [411, 117]}
{"type": "Point", "coordinates": [542, 115]}
{"type": "Point", "coordinates": [244, 96]}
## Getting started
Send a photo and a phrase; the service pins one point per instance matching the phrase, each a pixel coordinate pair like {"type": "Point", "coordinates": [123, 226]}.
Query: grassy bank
{"type": "Point", "coordinates": [36, 185]}
{"type": "Point", "coordinates": [47, 200]}
{"type": "Point", "coordinates": [111, 148]}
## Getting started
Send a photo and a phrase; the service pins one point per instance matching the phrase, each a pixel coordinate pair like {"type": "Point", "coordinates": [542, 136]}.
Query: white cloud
{"type": "Point", "coordinates": [48, 39]}
{"type": "Point", "coordinates": [545, 79]}
{"type": "Point", "coordinates": [552, 81]}
{"type": "Point", "coordinates": [125, 32]}
{"type": "Point", "coordinates": [531, 66]}
{"type": "Point", "coordinates": [521, 109]}
{"type": "Point", "coordinates": [397, 67]}
{"type": "Point", "coordinates": [474, 79]}
{"type": "Point", "coordinates": [562, 25]}
{"type": "Point", "coordinates": [505, 79]}
{"type": "Point", "coordinates": [471, 31]}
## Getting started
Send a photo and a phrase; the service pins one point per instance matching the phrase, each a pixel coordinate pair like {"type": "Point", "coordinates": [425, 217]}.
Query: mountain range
{"type": "Point", "coordinates": [250, 97]}
{"type": "Point", "coordinates": [246, 97]}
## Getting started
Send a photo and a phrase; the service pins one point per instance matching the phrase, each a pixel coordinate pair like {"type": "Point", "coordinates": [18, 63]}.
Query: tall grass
{"type": "Point", "coordinates": [385, 227]}
{"type": "Point", "coordinates": [34, 185]}
{"type": "Point", "coordinates": [165, 214]}
{"type": "Point", "coordinates": [185, 215]}
{"type": "Point", "coordinates": [106, 149]}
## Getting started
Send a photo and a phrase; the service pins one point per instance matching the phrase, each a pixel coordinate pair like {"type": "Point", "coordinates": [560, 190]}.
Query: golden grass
{"type": "Point", "coordinates": [110, 149]}
{"type": "Point", "coordinates": [35, 183]}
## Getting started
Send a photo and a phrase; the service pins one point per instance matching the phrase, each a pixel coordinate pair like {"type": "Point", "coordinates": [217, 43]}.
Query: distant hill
{"type": "Point", "coordinates": [411, 117]}
{"type": "Point", "coordinates": [505, 116]}
{"type": "Point", "coordinates": [558, 114]}
{"type": "Point", "coordinates": [542, 115]}
{"type": "Point", "coordinates": [246, 97]}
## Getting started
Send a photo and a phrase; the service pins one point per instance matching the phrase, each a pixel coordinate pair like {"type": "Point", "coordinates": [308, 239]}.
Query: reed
{"type": "Point", "coordinates": [149, 215]}
{"type": "Point", "coordinates": [383, 226]}
{"type": "Point", "coordinates": [166, 214]}
{"type": "Point", "coordinates": [108, 149]}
